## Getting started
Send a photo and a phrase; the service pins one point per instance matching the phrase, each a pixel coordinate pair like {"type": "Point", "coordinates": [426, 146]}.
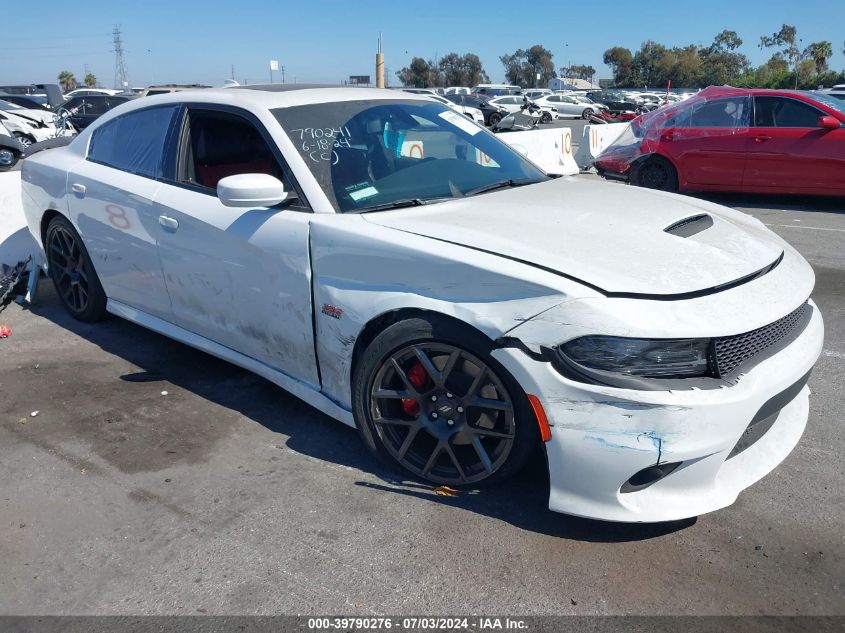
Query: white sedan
{"type": "Point", "coordinates": [574, 105]}
{"type": "Point", "coordinates": [404, 271]}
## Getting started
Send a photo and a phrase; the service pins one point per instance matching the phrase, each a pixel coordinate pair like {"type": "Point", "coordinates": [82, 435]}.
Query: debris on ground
{"type": "Point", "coordinates": [33, 414]}
{"type": "Point", "coordinates": [13, 281]}
{"type": "Point", "coordinates": [445, 491]}
{"type": "Point", "coordinates": [5, 331]}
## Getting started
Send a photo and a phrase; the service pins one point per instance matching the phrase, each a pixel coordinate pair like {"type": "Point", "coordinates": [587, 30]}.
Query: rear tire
{"type": "Point", "coordinates": [72, 272]}
{"type": "Point", "coordinates": [546, 117]}
{"type": "Point", "coordinates": [429, 399]}
{"type": "Point", "coordinates": [656, 173]}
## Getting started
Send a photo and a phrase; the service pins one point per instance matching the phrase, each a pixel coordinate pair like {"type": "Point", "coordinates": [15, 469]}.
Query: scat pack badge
{"type": "Point", "coordinates": [332, 311]}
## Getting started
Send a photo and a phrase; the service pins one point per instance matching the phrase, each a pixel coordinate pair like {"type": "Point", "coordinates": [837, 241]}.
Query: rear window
{"type": "Point", "coordinates": [134, 142]}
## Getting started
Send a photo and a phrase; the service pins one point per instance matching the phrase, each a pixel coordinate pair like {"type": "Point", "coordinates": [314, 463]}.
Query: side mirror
{"type": "Point", "coordinates": [251, 190]}
{"type": "Point", "coordinates": [829, 123]}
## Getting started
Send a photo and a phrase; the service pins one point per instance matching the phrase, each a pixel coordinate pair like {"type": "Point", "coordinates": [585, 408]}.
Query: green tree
{"type": "Point", "coordinates": [462, 70]}
{"type": "Point", "coordinates": [67, 80]}
{"type": "Point", "coordinates": [720, 64]}
{"type": "Point", "coordinates": [687, 71]}
{"type": "Point", "coordinates": [523, 66]}
{"type": "Point", "coordinates": [622, 63]}
{"type": "Point", "coordinates": [419, 74]}
{"type": "Point", "coordinates": [90, 80]}
{"type": "Point", "coordinates": [647, 63]}
{"type": "Point", "coordinates": [819, 52]}
{"type": "Point", "coordinates": [786, 39]}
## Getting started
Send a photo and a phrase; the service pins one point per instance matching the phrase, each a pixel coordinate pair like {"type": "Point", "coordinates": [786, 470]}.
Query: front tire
{"type": "Point", "coordinates": [72, 272]}
{"type": "Point", "coordinates": [494, 119]}
{"type": "Point", "coordinates": [656, 173]}
{"type": "Point", "coordinates": [545, 117]}
{"type": "Point", "coordinates": [25, 140]}
{"type": "Point", "coordinates": [587, 113]}
{"type": "Point", "coordinates": [428, 397]}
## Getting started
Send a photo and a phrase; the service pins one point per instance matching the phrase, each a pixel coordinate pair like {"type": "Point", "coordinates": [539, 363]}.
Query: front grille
{"type": "Point", "coordinates": [732, 351]}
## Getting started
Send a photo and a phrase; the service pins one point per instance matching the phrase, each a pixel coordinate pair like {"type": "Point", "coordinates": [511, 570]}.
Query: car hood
{"type": "Point", "coordinates": [38, 116]}
{"type": "Point", "coordinates": [606, 235]}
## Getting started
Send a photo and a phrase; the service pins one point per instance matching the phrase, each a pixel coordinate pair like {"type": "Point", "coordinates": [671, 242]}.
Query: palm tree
{"type": "Point", "coordinates": [67, 80]}
{"type": "Point", "coordinates": [820, 53]}
{"type": "Point", "coordinates": [90, 80]}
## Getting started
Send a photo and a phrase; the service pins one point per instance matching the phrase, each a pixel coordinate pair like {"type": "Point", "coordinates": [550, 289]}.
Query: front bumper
{"type": "Point", "coordinates": [602, 436]}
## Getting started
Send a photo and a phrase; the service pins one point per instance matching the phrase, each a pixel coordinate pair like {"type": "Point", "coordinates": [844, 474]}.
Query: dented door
{"type": "Point", "coordinates": [240, 277]}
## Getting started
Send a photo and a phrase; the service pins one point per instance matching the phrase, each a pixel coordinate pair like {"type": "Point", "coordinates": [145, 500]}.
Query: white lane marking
{"type": "Point", "coordinates": [812, 228]}
{"type": "Point", "coordinates": [831, 354]}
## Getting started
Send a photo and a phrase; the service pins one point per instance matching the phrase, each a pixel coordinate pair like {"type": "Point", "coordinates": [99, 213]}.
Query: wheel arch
{"type": "Point", "coordinates": [645, 158]}
{"type": "Point", "coordinates": [381, 322]}
{"type": "Point", "coordinates": [46, 218]}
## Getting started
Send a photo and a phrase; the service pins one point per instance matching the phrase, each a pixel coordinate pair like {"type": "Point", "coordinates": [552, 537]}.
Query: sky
{"type": "Point", "coordinates": [325, 41]}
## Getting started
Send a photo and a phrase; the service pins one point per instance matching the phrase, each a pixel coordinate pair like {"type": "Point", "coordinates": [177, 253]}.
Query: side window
{"type": "Point", "coordinates": [94, 107]}
{"type": "Point", "coordinates": [784, 112]}
{"type": "Point", "coordinates": [732, 112]}
{"type": "Point", "coordinates": [222, 144]}
{"type": "Point", "coordinates": [134, 142]}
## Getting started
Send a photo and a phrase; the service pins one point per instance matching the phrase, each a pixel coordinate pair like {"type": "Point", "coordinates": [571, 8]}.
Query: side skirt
{"type": "Point", "coordinates": [296, 387]}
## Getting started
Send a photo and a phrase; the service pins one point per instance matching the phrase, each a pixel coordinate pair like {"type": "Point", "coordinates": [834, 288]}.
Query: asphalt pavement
{"type": "Point", "coordinates": [139, 476]}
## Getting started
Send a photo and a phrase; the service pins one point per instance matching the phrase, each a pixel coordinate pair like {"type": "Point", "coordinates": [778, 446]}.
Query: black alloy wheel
{"type": "Point", "coordinates": [428, 397]}
{"type": "Point", "coordinates": [72, 272]}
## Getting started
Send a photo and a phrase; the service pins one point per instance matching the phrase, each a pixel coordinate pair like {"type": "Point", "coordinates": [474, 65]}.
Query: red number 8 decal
{"type": "Point", "coordinates": [117, 217]}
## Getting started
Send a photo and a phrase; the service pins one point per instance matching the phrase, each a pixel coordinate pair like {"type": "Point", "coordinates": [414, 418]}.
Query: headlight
{"type": "Point", "coordinates": [655, 358]}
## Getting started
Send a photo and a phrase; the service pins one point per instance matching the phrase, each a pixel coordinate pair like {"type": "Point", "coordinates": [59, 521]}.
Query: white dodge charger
{"type": "Point", "coordinates": [404, 271]}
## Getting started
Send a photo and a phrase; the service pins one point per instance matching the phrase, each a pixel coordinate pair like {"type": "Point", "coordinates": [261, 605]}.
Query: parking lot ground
{"type": "Point", "coordinates": [155, 479]}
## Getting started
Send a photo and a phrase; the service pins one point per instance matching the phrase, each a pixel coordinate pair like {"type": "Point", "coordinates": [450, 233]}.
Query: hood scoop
{"type": "Point", "coordinates": [690, 226]}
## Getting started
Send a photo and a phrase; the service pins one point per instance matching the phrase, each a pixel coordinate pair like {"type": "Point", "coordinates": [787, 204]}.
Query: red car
{"type": "Point", "coordinates": [732, 139]}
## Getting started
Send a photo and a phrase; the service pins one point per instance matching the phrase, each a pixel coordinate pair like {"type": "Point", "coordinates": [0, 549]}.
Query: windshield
{"type": "Point", "coordinates": [373, 154]}
{"type": "Point", "coordinates": [6, 105]}
{"type": "Point", "coordinates": [830, 101]}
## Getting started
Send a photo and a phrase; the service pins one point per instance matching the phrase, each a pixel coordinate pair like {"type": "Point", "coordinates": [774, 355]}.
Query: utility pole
{"type": "Point", "coordinates": [283, 74]}
{"type": "Point", "coordinates": [233, 72]}
{"type": "Point", "coordinates": [120, 75]}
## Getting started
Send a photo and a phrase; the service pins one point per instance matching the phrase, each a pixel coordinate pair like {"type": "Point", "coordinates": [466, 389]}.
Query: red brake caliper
{"type": "Point", "coordinates": [418, 377]}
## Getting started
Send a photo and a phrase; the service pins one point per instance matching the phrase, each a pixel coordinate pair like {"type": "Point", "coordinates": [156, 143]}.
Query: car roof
{"type": "Point", "coordinates": [257, 97]}
{"type": "Point", "coordinates": [725, 91]}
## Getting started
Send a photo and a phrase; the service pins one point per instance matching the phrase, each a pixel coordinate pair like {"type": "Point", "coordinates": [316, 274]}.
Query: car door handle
{"type": "Point", "coordinates": [78, 189]}
{"type": "Point", "coordinates": [761, 138]}
{"type": "Point", "coordinates": [169, 224]}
